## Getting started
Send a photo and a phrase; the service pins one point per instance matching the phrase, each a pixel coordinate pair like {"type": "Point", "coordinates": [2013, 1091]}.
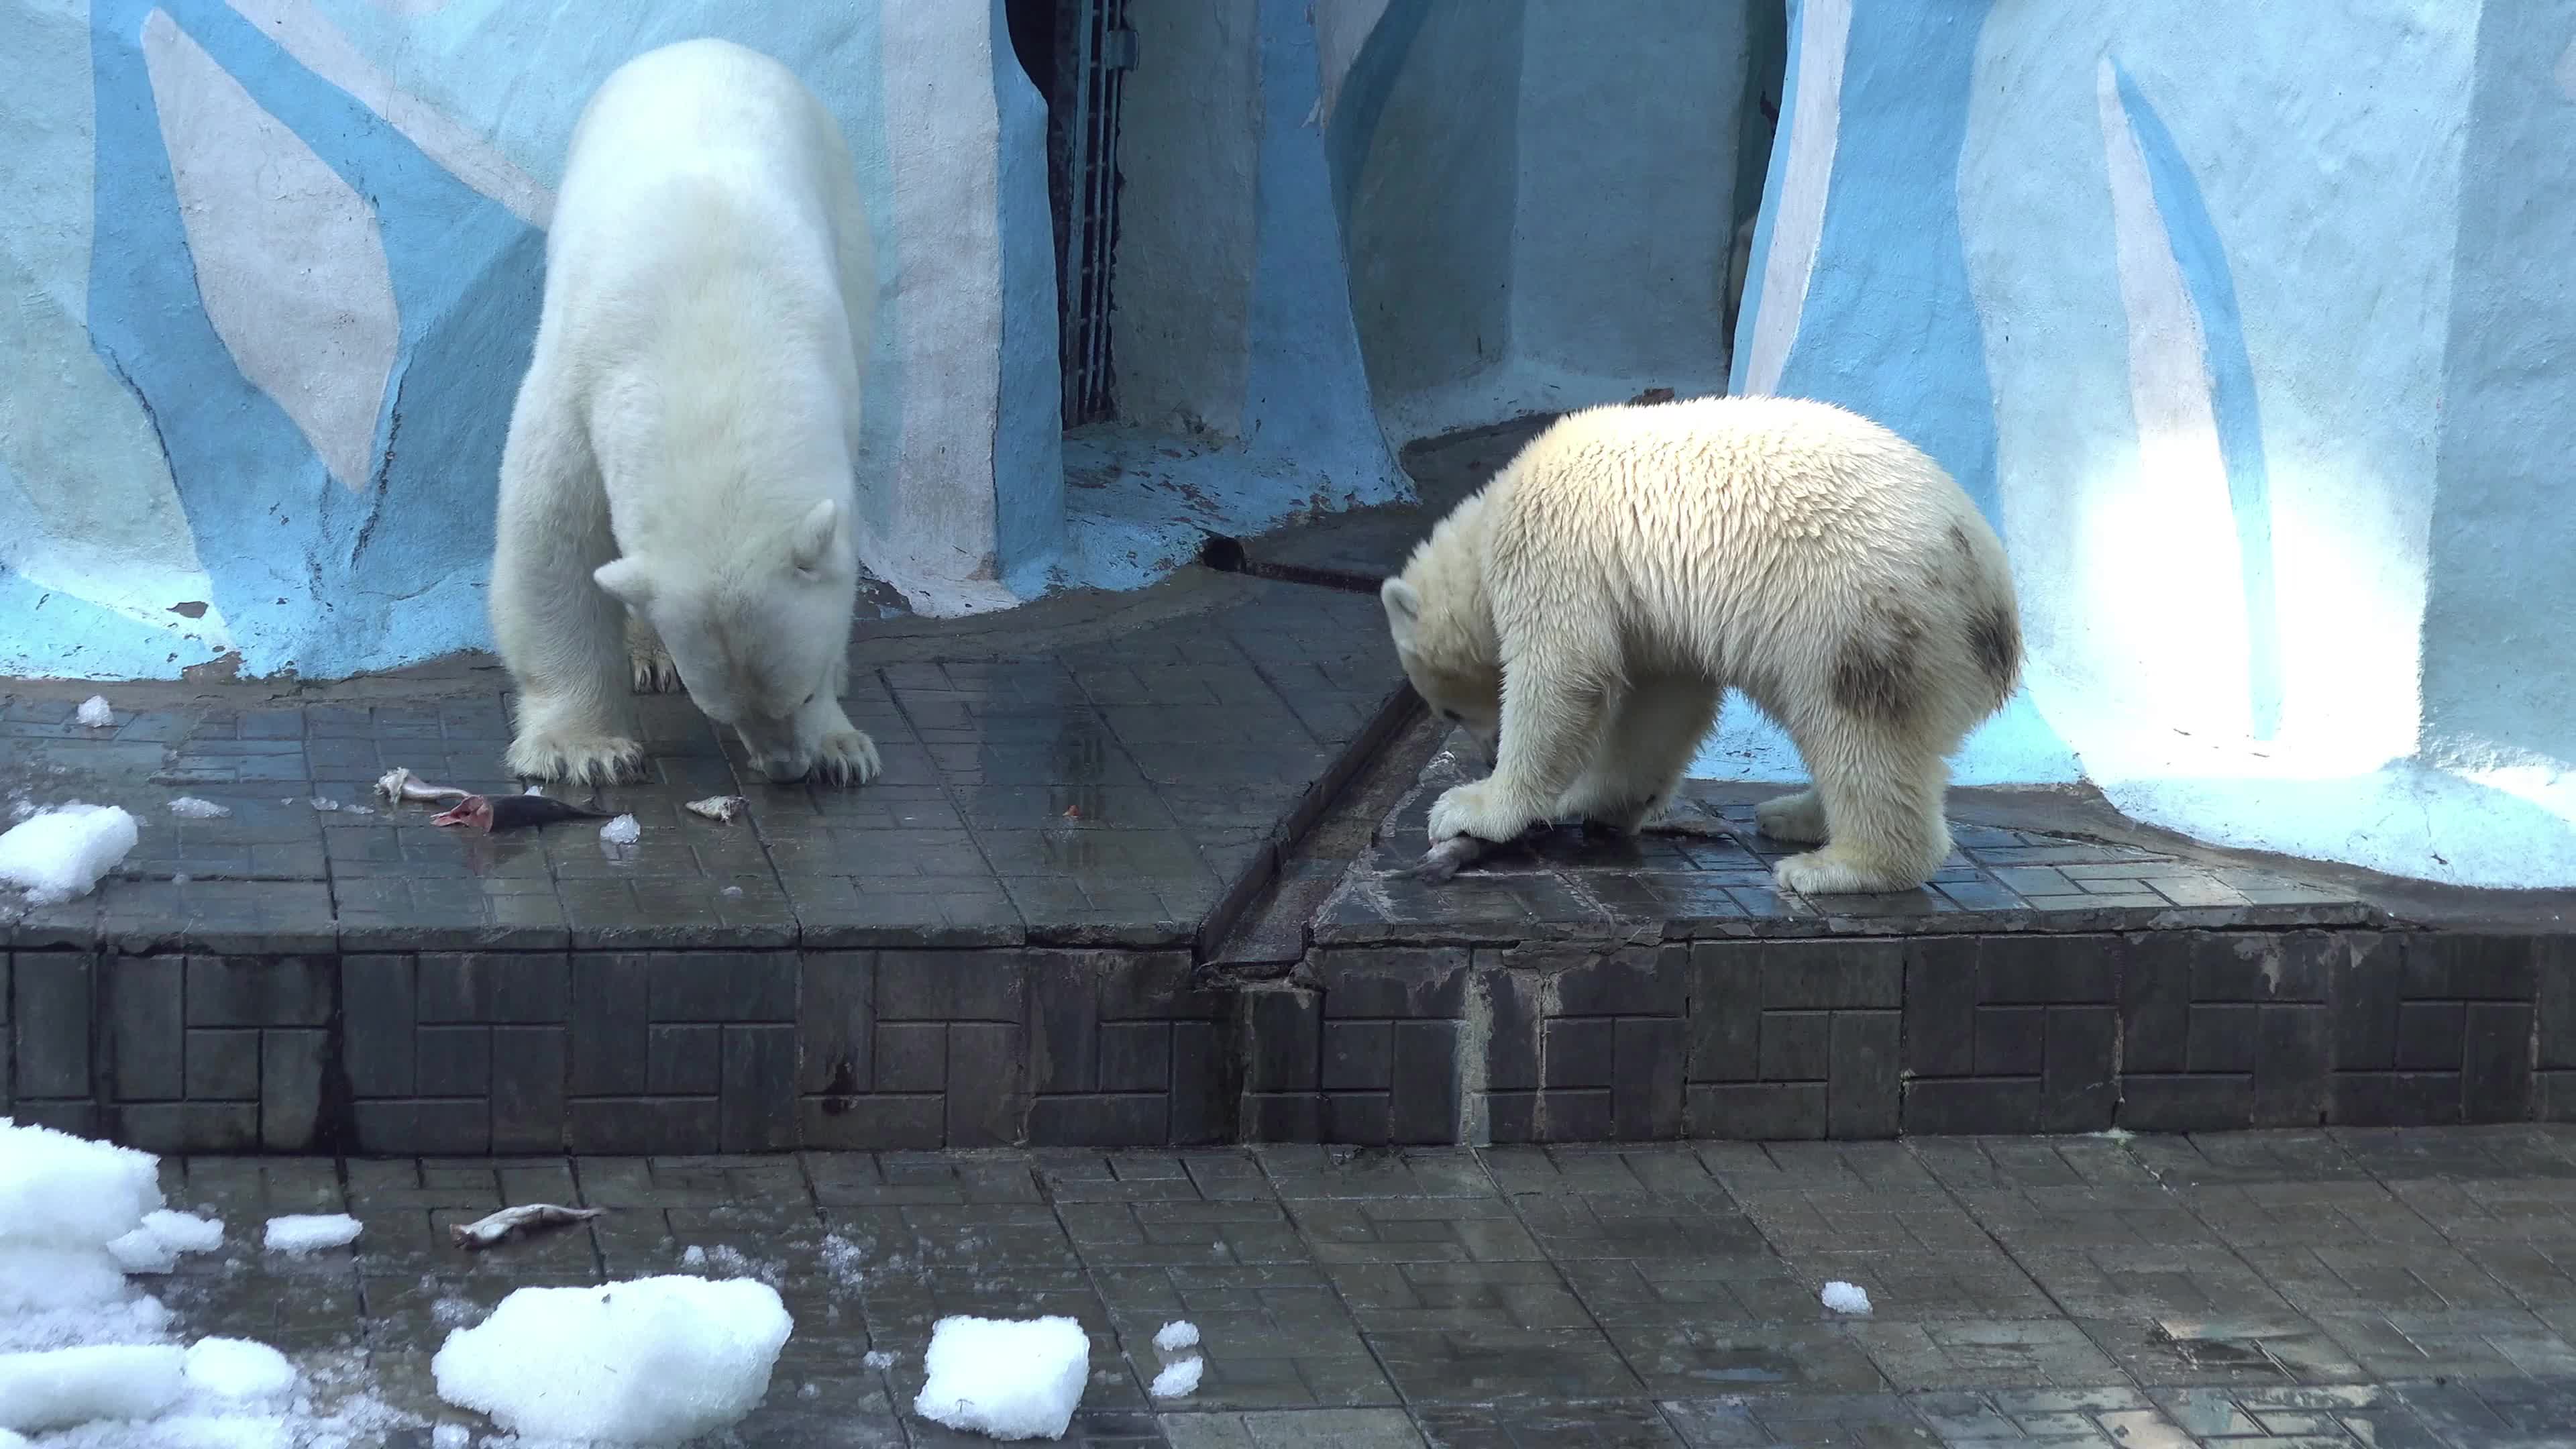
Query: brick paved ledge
{"type": "Point", "coordinates": [436, 1052]}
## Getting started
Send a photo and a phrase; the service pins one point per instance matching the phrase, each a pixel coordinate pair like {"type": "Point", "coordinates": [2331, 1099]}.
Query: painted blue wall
{"type": "Point", "coordinates": [311, 574]}
{"type": "Point", "coordinates": [2251, 362]}
{"type": "Point", "coordinates": [2500, 622]}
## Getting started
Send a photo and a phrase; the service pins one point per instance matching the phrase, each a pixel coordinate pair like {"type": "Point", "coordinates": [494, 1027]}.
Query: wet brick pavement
{"type": "Point", "coordinates": [2311, 1288]}
{"type": "Point", "coordinates": [1116, 787]}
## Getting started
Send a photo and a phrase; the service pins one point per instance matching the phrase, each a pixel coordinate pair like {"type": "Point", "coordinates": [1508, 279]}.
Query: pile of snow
{"type": "Point", "coordinates": [1846, 1297]}
{"type": "Point", "coordinates": [63, 1203]}
{"type": "Point", "coordinates": [1004, 1378]}
{"type": "Point", "coordinates": [65, 1387]}
{"type": "Point", "coordinates": [189, 807]}
{"type": "Point", "coordinates": [301, 1233]}
{"type": "Point", "coordinates": [95, 712]}
{"type": "Point", "coordinates": [57, 854]}
{"type": "Point", "coordinates": [652, 1361]}
{"type": "Point", "coordinates": [624, 830]}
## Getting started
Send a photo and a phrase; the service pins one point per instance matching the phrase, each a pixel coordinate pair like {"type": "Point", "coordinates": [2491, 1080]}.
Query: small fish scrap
{"type": "Point", "coordinates": [399, 784]}
{"type": "Point", "coordinates": [486, 1231]}
{"type": "Point", "coordinates": [722, 809]}
{"type": "Point", "coordinates": [490, 813]}
{"type": "Point", "coordinates": [1443, 861]}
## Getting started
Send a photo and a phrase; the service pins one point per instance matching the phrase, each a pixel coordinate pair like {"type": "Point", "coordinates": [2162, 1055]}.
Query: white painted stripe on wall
{"type": "Point", "coordinates": [943, 130]}
{"type": "Point", "coordinates": [1798, 216]}
{"type": "Point", "coordinates": [289, 263]}
{"type": "Point", "coordinates": [2181, 510]}
{"type": "Point", "coordinates": [302, 32]}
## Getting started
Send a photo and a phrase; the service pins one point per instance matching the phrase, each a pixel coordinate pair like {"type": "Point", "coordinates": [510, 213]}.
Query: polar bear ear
{"type": "Point", "coordinates": [1403, 609]}
{"type": "Point", "coordinates": [626, 580]}
{"type": "Point", "coordinates": [813, 536]}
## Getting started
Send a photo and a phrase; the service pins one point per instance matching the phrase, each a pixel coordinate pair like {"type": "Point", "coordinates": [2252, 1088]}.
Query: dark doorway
{"type": "Point", "coordinates": [1077, 53]}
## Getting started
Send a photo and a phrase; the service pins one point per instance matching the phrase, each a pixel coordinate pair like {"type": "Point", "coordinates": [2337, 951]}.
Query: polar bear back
{"type": "Point", "coordinates": [710, 298]}
{"type": "Point", "coordinates": [1790, 547]}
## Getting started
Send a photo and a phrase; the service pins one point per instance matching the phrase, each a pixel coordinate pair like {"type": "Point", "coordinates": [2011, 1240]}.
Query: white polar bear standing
{"type": "Point", "coordinates": [683, 446]}
{"type": "Point", "coordinates": [1585, 612]}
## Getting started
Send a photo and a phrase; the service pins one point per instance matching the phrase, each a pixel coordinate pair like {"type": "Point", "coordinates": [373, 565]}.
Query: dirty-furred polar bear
{"type": "Point", "coordinates": [1583, 614]}
{"type": "Point", "coordinates": [676, 490]}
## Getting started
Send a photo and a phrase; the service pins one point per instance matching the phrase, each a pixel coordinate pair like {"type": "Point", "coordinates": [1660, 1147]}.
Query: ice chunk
{"type": "Point", "coordinates": [311, 1232]}
{"type": "Point", "coordinates": [61, 1387]}
{"type": "Point", "coordinates": [624, 830]}
{"type": "Point", "coordinates": [140, 1252]}
{"type": "Point", "coordinates": [184, 1232]}
{"type": "Point", "coordinates": [1011, 1379]}
{"type": "Point", "coordinates": [59, 1189]}
{"type": "Point", "coordinates": [1846, 1297]}
{"type": "Point", "coordinates": [651, 1361]}
{"type": "Point", "coordinates": [95, 712]}
{"type": "Point", "coordinates": [238, 1369]}
{"type": "Point", "coordinates": [1179, 1378]}
{"type": "Point", "coordinates": [1178, 1334]}
{"type": "Point", "coordinates": [192, 808]}
{"type": "Point", "coordinates": [60, 853]}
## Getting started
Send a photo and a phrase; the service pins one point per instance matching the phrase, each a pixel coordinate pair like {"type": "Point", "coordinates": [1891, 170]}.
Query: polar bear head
{"type": "Point", "coordinates": [760, 639]}
{"type": "Point", "coordinates": [1444, 631]}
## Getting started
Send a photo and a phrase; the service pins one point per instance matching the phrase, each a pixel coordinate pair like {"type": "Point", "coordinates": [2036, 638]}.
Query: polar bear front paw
{"type": "Point", "coordinates": [1798, 819]}
{"type": "Point", "coordinates": [579, 760]}
{"type": "Point", "coordinates": [848, 757]}
{"type": "Point", "coordinates": [1480, 810]}
{"type": "Point", "coordinates": [1830, 872]}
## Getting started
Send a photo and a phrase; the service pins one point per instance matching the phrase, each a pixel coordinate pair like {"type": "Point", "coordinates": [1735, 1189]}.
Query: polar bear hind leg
{"type": "Point", "coordinates": [1881, 789]}
{"type": "Point", "coordinates": [561, 635]}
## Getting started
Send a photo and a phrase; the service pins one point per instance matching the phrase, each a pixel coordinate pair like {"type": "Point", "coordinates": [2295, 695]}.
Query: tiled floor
{"type": "Point", "coordinates": [1706, 872]}
{"type": "Point", "coordinates": [2308, 1288]}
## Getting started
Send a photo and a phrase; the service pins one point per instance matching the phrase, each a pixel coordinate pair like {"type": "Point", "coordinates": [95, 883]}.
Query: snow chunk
{"type": "Point", "coordinates": [1846, 1297]}
{"type": "Point", "coordinates": [878, 1359]}
{"type": "Point", "coordinates": [694, 1256]}
{"type": "Point", "coordinates": [624, 830]}
{"type": "Point", "coordinates": [95, 712]}
{"type": "Point", "coordinates": [61, 853]}
{"type": "Point", "coordinates": [155, 1247]}
{"type": "Point", "coordinates": [184, 1232]}
{"type": "Point", "coordinates": [311, 1232]}
{"type": "Point", "coordinates": [651, 1361]}
{"type": "Point", "coordinates": [450, 1436]}
{"type": "Point", "coordinates": [191, 808]}
{"type": "Point", "coordinates": [1179, 1378]}
{"type": "Point", "coordinates": [1178, 1334]}
{"type": "Point", "coordinates": [64, 1190]}
{"type": "Point", "coordinates": [1011, 1379]}
{"type": "Point", "coordinates": [238, 1369]}
{"type": "Point", "coordinates": [61, 1387]}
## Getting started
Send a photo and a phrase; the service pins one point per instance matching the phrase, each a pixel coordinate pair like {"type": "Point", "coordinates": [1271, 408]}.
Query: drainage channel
{"type": "Point", "coordinates": [1229, 556]}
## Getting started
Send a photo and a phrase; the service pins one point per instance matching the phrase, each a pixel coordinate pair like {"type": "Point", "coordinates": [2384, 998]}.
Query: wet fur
{"type": "Point", "coordinates": [1584, 613]}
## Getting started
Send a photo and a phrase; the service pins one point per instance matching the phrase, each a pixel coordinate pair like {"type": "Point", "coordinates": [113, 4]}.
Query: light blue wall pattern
{"type": "Point", "coordinates": [2247, 327]}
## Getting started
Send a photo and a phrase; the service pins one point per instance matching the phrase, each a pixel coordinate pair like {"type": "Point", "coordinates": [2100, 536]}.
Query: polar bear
{"type": "Point", "coordinates": [1583, 614]}
{"type": "Point", "coordinates": [677, 486]}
